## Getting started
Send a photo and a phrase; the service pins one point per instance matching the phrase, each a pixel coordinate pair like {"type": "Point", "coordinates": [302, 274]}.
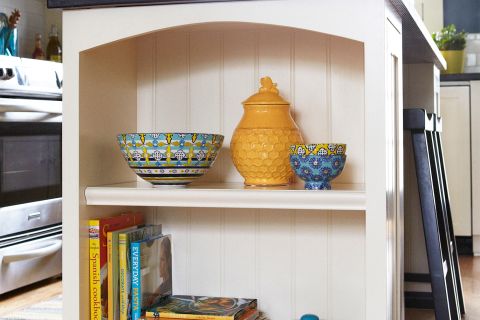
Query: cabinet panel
{"type": "Point", "coordinates": [239, 256]}
{"type": "Point", "coordinates": [275, 245]}
{"type": "Point", "coordinates": [346, 266]}
{"type": "Point", "coordinates": [205, 268]}
{"type": "Point", "coordinates": [170, 80]}
{"type": "Point", "coordinates": [455, 103]}
{"type": "Point", "coordinates": [311, 234]}
{"type": "Point", "coordinates": [475, 135]}
{"type": "Point", "coordinates": [239, 65]}
{"type": "Point", "coordinates": [347, 108]}
{"type": "Point", "coordinates": [312, 54]}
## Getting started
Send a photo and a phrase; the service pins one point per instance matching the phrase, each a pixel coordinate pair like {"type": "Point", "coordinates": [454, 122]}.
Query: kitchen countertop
{"type": "Point", "coordinates": [74, 4]}
{"type": "Point", "coordinates": [460, 77]}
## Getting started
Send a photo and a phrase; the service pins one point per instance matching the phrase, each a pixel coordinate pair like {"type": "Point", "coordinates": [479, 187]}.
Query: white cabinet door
{"type": "Point", "coordinates": [455, 106]}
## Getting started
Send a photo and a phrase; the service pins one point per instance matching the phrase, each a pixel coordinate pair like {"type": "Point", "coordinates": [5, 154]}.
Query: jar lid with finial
{"type": "Point", "coordinates": [268, 94]}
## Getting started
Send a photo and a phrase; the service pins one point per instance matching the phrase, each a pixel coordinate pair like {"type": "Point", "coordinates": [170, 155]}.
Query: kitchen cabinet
{"type": "Point", "coordinates": [455, 112]}
{"type": "Point", "coordinates": [431, 12]}
{"type": "Point", "coordinates": [475, 140]}
{"type": "Point", "coordinates": [460, 98]}
{"type": "Point", "coordinates": [188, 67]}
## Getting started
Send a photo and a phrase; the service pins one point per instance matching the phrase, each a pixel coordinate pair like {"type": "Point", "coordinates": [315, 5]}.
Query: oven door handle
{"type": "Point", "coordinates": [30, 105]}
{"type": "Point", "coordinates": [51, 247]}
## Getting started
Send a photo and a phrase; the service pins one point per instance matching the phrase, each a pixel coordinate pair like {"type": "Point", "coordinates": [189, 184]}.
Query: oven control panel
{"type": "Point", "coordinates": [21, 77]}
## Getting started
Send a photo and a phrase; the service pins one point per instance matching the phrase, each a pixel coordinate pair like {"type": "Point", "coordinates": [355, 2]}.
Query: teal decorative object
{"type": "Point", "coordinates": [9, 34]}
{"type": "Point", "coordinates": [309, 317]}
{"type": "Point", "coordinates": [170, 158]}
{"type": "Point", "coordinates": [318, 164]}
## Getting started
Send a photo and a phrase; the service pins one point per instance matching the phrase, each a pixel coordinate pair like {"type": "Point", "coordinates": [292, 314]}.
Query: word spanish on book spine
{"type": "Point", "coordinates": [97, 232]}
{"type": "Point", "coordinates": [202, 308]}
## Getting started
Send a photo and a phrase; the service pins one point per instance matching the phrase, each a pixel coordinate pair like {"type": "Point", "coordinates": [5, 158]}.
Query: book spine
{"type": "Point", "coordinates": [110, 275]}
{"type": "Point", "coordinates": [161, 315]}
{"type": "Point", "coordinates": [122, 260]}
{"type": "Point", "coordinates": [136, 283]}
{"type": "Point", "coordinates": [95, 282]}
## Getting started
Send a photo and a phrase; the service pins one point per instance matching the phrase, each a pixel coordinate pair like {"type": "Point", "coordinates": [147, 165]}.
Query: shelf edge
{"type": "Point", "coordinates": [310, 200]}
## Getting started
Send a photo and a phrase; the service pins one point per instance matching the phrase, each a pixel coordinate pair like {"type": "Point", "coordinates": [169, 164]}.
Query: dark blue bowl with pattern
{"type": "Point", "coordinates": [316, 169]}
{"type": "Point", "coordinates": [174, 159]}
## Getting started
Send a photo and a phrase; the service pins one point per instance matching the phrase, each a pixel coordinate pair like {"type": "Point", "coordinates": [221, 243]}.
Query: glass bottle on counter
{"type": "Point", "coordinates": [54, 50]}
{"type": "Point", "coordinates": [38, 51]}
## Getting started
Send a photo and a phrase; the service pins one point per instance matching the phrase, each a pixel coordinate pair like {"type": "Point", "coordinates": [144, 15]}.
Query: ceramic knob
{"type": "Point", "coordinates": [309, 317]}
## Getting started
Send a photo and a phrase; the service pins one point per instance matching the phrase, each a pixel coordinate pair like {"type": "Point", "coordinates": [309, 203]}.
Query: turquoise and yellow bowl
{"type": "Point", "coordinates": [318, 164]}
{"type": "Point", "coordinates": [173, 159]}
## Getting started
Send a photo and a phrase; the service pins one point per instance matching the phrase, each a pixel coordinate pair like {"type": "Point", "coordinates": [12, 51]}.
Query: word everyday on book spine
{"type": "Point", "coordinates": [151, 272]}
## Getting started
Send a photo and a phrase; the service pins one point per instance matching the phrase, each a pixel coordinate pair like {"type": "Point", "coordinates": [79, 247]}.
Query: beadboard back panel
{"type": "Point", "coordinates": [293, 261]}
{"type": "Point", "coordinates": [196, 79]}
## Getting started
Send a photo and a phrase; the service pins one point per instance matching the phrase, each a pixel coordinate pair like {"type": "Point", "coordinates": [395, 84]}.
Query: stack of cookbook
{"type": "Point", "coordinates": [131, 276]}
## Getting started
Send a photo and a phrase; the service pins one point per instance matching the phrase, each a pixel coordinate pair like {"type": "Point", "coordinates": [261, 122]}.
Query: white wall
{"type": "Point", "coordinates": [35, 18]}
{"type": "Point", "coordinates": [431, 12]}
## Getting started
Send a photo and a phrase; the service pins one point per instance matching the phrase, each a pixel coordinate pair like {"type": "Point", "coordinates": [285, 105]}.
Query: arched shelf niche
{"type": "Point", "coordinates": [194, 78]}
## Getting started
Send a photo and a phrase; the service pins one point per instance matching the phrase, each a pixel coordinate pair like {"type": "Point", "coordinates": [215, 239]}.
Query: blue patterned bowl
{"type": "Point", "coordinates": [170, 158]}
{"type": "Point", "coordinates": [317, 170]}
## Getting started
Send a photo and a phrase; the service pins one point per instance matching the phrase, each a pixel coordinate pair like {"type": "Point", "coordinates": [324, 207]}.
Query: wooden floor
{"type": "Point", "coordinates": [21, 298]}
{"type": "Point", "coordinates": [470, 270]}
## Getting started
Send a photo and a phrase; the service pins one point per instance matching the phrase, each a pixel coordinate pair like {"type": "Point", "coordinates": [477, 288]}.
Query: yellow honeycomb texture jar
{"type": "Point", "coordinates": [261, 142]}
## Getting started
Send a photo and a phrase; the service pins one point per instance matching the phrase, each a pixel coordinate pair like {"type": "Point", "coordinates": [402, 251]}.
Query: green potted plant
{"type": "Point", "coordinates": [451, 44]}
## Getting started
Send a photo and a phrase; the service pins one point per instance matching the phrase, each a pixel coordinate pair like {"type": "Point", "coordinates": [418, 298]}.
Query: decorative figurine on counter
{"type": "Point", "coordinates": [9, 34]}
{"type": "Point", "coordinates": [261, 142]}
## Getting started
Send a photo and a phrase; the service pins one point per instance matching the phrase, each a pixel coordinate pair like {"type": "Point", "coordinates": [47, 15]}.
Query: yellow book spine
{"type": "Point", "coordinates": [122, 261]}
{"type": "Point", "coordinates": [95, 283]}
{"type": "Point", "coordinates": [110, 275]}
{"type": "Point", "coordinates": [169, 315]}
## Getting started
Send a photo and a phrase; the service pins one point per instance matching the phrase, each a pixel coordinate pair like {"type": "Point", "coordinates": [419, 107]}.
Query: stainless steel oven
{"type": "Point", "coordinates": [30, 171]}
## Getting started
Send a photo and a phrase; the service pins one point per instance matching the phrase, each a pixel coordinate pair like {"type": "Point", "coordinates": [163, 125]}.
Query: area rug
{"type": "Point", "coordinates": [52, 310]}
{"type": "Point", "coordinates": [46, 310]}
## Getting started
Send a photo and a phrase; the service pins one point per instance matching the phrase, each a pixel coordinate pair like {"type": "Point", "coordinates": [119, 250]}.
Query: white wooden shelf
{"type": "Point", "coordinates": [229, 195]}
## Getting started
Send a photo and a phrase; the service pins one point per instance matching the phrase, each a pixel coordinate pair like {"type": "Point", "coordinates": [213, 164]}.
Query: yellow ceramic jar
{"type": "Point", "coordinates": [260, 144]}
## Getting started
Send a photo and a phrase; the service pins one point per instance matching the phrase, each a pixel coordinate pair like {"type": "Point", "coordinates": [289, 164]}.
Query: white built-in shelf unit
{"type": "Point", "coordinates": [188, 67]}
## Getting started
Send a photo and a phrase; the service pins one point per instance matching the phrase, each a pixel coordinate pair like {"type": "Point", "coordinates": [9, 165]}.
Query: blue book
{"type": "Point", "coordinates": [151, 272]}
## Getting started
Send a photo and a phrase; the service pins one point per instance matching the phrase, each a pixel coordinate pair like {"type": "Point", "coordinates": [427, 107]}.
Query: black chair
{"type": "Point", "coordinates": [446, 297]}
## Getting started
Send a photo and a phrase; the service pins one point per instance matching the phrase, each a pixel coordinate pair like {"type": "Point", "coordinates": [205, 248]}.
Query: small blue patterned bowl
{"type": "Point", "coordinates": [317, 170]}
{"type": "Point", "coordinates": [170, 158]}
